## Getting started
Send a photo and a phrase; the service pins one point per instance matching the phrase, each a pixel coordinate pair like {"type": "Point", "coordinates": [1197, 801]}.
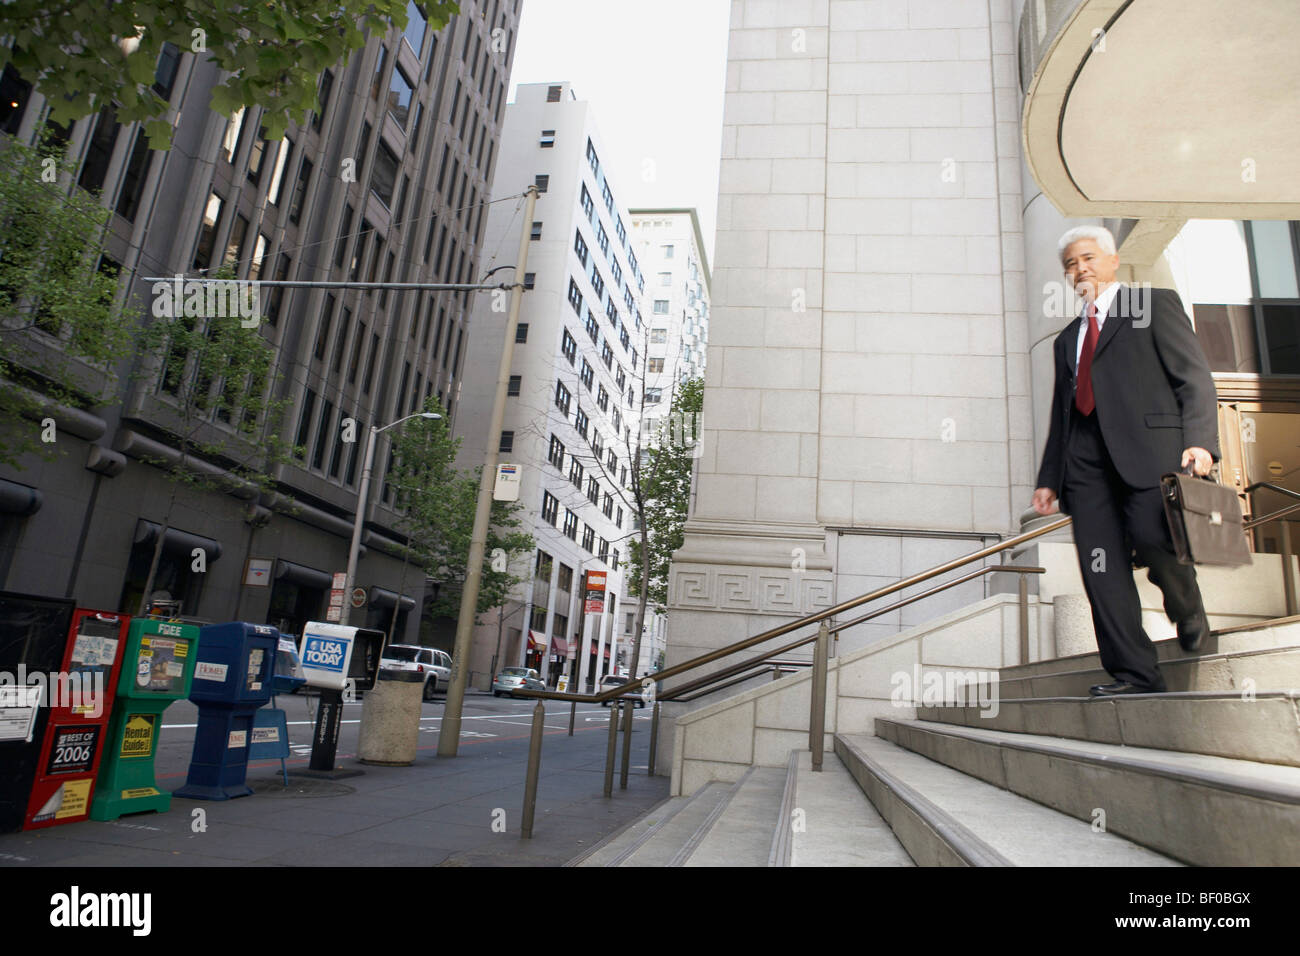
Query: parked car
{"type": "Point", "coordinates": [433, 663]}
{"type": "Point", "coordinates": [609, 682]}
{"type": "Point", "coordinates": [512, 679]}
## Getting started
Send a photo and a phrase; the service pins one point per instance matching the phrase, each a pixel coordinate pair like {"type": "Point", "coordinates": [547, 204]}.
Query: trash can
{"type": "Point", "coordinates": [390, 719]}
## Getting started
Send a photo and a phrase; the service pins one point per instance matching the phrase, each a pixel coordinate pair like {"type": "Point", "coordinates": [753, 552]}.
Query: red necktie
{"type": "Point", "coordinates": [1083, 398]}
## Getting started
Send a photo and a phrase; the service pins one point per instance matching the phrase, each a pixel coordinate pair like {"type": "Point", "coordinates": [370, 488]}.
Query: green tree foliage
{"type": "Point", "coordinates": [212, 376]}
{"type": "Point", "coordinates": [61, 324]}
{"type": "Point", "coordinates": [439, 504]}
{"type": "Point", "coordinates": [80, 54]}
{"type": "Point", "coordinates": [665, 479]}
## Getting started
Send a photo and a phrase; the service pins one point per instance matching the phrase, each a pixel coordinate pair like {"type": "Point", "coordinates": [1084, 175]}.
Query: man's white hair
{"type": "Point", "coordinates": [1098, 234]}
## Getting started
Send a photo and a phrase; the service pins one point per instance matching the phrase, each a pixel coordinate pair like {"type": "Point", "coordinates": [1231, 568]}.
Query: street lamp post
{"type": "Point", "coordinates": [363, 495]}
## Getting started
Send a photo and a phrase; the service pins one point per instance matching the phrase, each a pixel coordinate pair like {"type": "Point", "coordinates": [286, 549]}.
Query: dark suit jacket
{"type": "Point", "coordinates": [1152, 385]}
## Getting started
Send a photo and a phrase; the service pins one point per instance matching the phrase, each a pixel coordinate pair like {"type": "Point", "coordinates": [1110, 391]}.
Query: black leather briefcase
{"type": "Point", "coordinates": [1204, 522]}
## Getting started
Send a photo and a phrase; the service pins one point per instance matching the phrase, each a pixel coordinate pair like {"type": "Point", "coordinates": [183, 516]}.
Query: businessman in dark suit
{"type": "Point", "coordinates": [1133, 400]}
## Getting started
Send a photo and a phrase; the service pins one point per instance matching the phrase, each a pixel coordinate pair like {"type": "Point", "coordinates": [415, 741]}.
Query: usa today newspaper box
{"type": "Point", "coordinates": [232, 679]}
{"type": "Point", "coordinates": [157, 667]}
{"type": "Point", "coordinates": [332, 655]}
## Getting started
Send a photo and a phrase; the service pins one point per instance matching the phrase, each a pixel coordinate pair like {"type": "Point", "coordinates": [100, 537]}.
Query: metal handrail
{"type": "Point", "coordinates": [1272, 487]}
{"type": "Point", "coordinates": [821, 653]}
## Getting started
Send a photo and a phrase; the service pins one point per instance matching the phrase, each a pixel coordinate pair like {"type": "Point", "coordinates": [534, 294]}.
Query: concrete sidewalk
{"type": "Point", "coordinates": [438, 812]}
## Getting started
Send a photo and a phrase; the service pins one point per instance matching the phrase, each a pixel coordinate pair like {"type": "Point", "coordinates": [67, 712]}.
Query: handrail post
{"type": "Point", "coordinates": [1288, 580]}
{"type": "Point", "coordinates": [654, 738]}
{"type": "Point", "coordinates": [817, 719]}
{"type": "Point", "coordinates": [534, 769]}
{"type": "Point", "coordinates": [1024, 617]}
{"type": "Point", "coordinates": [610, 747]}
{"type": "Point", "coordinates": [627, 744]}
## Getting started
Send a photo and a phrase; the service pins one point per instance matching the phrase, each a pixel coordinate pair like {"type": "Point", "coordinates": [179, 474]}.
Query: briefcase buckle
{"type": "Point", "coordinates": [1216, 517]}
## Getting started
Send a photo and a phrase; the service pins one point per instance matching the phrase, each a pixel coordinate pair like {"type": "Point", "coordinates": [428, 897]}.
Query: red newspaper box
{"type": "Point", "coordinates": [80, 701]}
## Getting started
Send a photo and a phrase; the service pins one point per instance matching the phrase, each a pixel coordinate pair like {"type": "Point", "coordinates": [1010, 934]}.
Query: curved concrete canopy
{"type": "Point", "coordinates": [1180, 109]}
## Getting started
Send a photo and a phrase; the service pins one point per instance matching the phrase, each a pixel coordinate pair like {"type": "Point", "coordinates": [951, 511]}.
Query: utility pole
{"type": "Point", "coordinates": [449, 736]}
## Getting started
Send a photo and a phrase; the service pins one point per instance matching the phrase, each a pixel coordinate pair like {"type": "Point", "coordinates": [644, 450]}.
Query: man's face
{"type": "Point", "coordinates": [1088, 268]}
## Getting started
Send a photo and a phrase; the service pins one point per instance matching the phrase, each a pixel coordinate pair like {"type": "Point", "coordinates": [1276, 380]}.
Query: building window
{"type": "Point", "coordinates": [668, 251]}
{"type": "Point", "coordinates": [591, 157]}
{"type": "Point", "coordinates": [588, 538]}
{"type": "Point", "coordinates": [323, 94]}
{"type": "Point", "coordinates": [521, 333]}
{"type": "Point", "coordinates": [613, 560]}
{"type": "Point", "coordinates": [400, 89]}
{"type": "Point", "coordinates": [541, 181]}
{"type": "Point", "coordinates": [607, 355]}
{"type": "Point", "coordinates": [618, 521]}
{"type": "Point", "coordinates": [415, 27]}
{"type": "Point", "coordinates": [300, 191]}
{"type": "Point", "coordinates": [568, 347]}
{"type": "Point", "coordinates": [593, 328]}
{"type": "Point", "coordinates": [602, 552]}
{"type": "Point", "coordinates": [588, 374]}
{"type": "Point", "coordinates": [548, 139]}
{"type": "Point", "coordinates": [660, 306]}
{"type": "Point", "coordinates": [575, 297]}
{"type": "Point", "coordinates": [581, 422]}
{"type": "Point", "coordinates": [536, 232]}
{"type": "Point", "coordinates": [602, 239]}
{"type": "Point", "coordinates": [128, 200]}
{"type": "Point", "coordinates": [653, 396]}
{"type": "Point", "coordinates": [384, 177]}
{"type": "Point", "coordinates": [553, 94]}
{"type": "Point", "coordinates": [562, 398]}
{"type": "Point", "coordinates": [14, 93]}
{"type": "Point", "coordinates": [580, 247]}
{"type": "Point", "coordinates": [550, 507]}
{"type": "Point", "coordinates": [588, 207]}
{"type": "Point", "coordinates": [665, 278]}
{"type": "Point", "coordinates": [658, 336]}
{"type": "Point", "coordinates": [99, 150]}
{"type": "Point", "coordinates": [208, 233]}
{"type": "Point", "coordinates": [597, 444]}
{"type": "Point", "coordinates": [530, 280]}
{"type": "Point", "coordinates": [654, 365]}
{"type": "Point", "coordinates": [513, 387]}
{"type": "Point", "coordinates": [575, 473]}
{"type": "Point", "coordinates": [556, 453]}
{"type": "Point", "coordinates": [507, 442]}
{"type": "Point", "coordinates": [597, 283]}
{"type": "Point", "coordinates": [570, 525]}
{"type": "Point", "coordinates": [376, 84]}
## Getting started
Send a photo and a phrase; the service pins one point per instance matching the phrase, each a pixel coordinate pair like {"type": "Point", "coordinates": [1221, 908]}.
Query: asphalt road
{"type": "Point", "coordinates": [484, 718]}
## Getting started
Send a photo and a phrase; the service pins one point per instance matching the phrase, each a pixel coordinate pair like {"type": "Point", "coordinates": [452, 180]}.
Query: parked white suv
{"type": "Point", "coordinates": [433, 663]}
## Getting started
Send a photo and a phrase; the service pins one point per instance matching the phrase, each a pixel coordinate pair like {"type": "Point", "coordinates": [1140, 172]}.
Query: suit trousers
{"type": "Point", "coordinates": [1111, 522]}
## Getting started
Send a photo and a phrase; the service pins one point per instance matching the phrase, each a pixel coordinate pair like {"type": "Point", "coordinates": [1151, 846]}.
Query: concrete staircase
{"type": "Point", "coordinates": [1208, 775]}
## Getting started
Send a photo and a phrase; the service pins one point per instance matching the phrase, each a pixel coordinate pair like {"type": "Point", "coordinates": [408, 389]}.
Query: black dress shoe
{"type": "Point", "coordinates": [1193, 631]}
{"type": "Point", "coordinates": [1122, 687]}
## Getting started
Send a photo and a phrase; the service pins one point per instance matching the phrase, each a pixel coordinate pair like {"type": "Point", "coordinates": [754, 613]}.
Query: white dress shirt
{"type": "Point", "coordinates": [1103, 306]}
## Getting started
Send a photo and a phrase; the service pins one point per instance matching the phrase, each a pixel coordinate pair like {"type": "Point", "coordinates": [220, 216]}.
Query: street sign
{"type": "Point", "coordinates": [336, 597]}
{"type": "Point", "coordinates": [334, 614]}
{"type": "Point", "coordinates": [358, 597]}
{"type": "Point", "coordinates": [506, 487]}
{"type": "Point", "coordinates": [340, 580]}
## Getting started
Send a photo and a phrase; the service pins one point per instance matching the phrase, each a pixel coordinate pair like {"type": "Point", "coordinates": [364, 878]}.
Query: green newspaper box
{"type": "Point", "coordinates": [157, 667]}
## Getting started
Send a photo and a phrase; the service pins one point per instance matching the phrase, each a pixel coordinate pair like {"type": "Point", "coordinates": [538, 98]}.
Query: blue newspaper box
{"type": "Point", "coordinates": [232, 679]}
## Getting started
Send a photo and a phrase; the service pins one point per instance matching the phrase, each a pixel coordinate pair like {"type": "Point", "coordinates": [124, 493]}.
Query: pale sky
{"type": "Point", "coordinates": [654, 72]}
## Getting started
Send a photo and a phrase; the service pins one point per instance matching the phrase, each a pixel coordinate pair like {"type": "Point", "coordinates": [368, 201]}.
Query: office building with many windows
{"type": "Point", "coordinates": [572, 406]}
{"type": "Point", "coordinates": [388, 182]}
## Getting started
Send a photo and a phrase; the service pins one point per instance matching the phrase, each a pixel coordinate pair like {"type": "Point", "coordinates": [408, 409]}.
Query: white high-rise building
{"type": "Point", "coordinates": [571, 418]}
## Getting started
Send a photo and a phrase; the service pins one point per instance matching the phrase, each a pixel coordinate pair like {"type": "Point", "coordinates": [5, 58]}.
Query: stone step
{"type": "Point", "coordinates": [1268, 669]}
{"type": "Point", "coordinates": [834, 824]}
{"type": "Point", "coordinates": [1265, 727]}
{"type": "Point", "coordinates": [1199, 809]}
{"type": "Point", "coordinates": [741, 833]}
{"type": "Point", "coordinates": [945, 818]}
{"type": "Point", "coordinates": [618, 843]}
{"type": "Point", "coordinates": [661, 845]}
{"type": "Point", "coordinates": [1257, 636]}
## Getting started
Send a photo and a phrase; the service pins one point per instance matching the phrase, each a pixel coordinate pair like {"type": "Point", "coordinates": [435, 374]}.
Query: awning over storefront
{"type": "Point", "coordinates": [559, 647]}
{"type": "Point", "coordinates": [176, 541]}
{"type": "Point", "coordinates": [384, 598]}
{"type": "Point", "coordinates": [301, 575]}
{"type": "Point", "coordinates": [18, 499]}
{"type": "Point", "coordinates": [536, 641]}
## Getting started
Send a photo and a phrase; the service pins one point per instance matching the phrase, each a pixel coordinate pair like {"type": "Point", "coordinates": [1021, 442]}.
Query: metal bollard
{"type": "Point", "coordinates": [817, 719]}
{"type": "Point", "coordinates": [573, 713]}
{"type": "Point", "coordinates": [534, 768]}
{"type": "Point", "coordinates": [610, 747]}
{"type": "Point", "coordinates": [627, 744]}
{"type": "Point", "coordinates": [654, 739]}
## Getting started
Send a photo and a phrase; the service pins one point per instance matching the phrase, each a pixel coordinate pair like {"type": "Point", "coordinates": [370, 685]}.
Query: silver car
{"type": "Point", "coordinates": [434, 664]}
{"type": "Point", "coordinates": [512, 679]}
